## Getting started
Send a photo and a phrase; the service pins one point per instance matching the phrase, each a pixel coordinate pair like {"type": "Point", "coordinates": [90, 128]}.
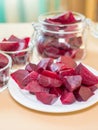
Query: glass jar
{"type": "Point", "coordinates": [54, 40]}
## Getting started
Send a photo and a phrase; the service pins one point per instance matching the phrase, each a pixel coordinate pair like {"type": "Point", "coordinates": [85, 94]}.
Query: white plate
{"type": "Point", "coordinates": [28, 100]}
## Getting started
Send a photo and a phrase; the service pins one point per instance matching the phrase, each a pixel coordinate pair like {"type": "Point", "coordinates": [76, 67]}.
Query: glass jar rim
{"type": "Point", "coordinates": [14, 52]}
{"type": "Point", "coordinates": [42, 17]}
{"type": "Point", "coordinates": [9, 61]}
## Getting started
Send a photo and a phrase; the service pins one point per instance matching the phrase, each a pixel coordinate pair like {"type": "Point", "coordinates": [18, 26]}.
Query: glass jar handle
{"type": "Point", "coordinates": [93, 27]}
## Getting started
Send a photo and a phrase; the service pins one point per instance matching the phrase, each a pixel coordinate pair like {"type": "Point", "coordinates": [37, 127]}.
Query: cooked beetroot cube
{"type": "Point", "coordinates": [75, 42]}
{"type": "Point", "coordinates": [44, 64]}
{"type": "Point", "coordinates": [9, 45]}
{"type": "Point", "coordinates": [46, 98]}
{"type": "Point", "coordinates": [93, 87]}
{"type": "Point", "coordinates": [13, 38]}
{"type": "Point", "coordinates": [27, 39]}
{"type": "Point", "coordinates": [65, 18]}
{"type": "Point", "coordinates": [18, 76]}
{"type": "Point", "coordinates": [46, 81]}
{"type": "Point", "coordinates": [67, 98]}
{"type": "Point", "coordinates": [51, 51]}
{"type": "Point", "coordinates": [67, 72]}
{"type": "Point", "coordinates": [88, 78]}
{"type": "Point", "coordinates": [57, 91]}
{"type": "Point", "coordinates": [56, 67]}
{"type": "Point", "coordinates": [50, 74]}
{"type": "Point", "coordinates": [28, 78]}
{"type": "Point", "coordinates": [34, 87]}
{"type": "Point", "coordinates": [68, 61]}
{"type": "Point", "coordinates": [83, 93]}
{"type": "Point", "coordinates": [72, 82]}
{"type": "Point", "coordinates": [31, 67]}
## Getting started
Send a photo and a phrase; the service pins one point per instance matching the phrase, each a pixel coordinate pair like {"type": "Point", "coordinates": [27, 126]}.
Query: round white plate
{"type": "Point", "coordinates": [28, 100]}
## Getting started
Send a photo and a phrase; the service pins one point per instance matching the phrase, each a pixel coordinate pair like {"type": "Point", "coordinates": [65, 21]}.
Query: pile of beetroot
{"type": "Point", "coordinates": [61, 36]}
{"type": "Point", "coordinates": [49, 80]}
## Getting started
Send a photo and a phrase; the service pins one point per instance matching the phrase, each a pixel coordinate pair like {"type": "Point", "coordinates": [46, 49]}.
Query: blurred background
{"type": "Point", "coordinates": [29, 10]}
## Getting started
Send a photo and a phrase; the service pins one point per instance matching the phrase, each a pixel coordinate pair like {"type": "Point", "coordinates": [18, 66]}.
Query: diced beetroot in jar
{"type": "Point", "coordinates": [66, 18]}
{"type": "Point", "coordinates": [9, 45]}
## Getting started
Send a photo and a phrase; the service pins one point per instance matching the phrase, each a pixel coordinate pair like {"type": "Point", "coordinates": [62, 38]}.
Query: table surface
{"type": "Point", "coordinates": [17, 117]}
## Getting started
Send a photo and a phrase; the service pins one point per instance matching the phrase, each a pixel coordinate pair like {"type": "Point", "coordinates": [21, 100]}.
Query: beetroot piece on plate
{"type": "Point", "coordinates": [18, 76]}
{"type": "Point", "coordinates": [57, 91]}
{"type": "Point", "coordinates": [46, 98]}
{"type": "Point", "coordinates": [72, 82]}
{"type": "Point", "coordinates": [57, 67]}
{"type": "Point", "coordinates": [67, 72]}
{"type": "Point", "coordinates": [28, 78]}
{"type": "Point", "coordinates": [68, 61]}
{"type": "Point", "coordinates": [31, 67]}
{"type": "Point", "coordinates": [83, 93]}
{"type": "Point", "coordinates": [44, 64]}
{"type": "Point", "coordinates": [46, 81]}
{"type": "Point", "coordinates": [67, 98]}
{"type": "Point", "coordinates": [50, 74]}
{"type": "Point", "coordinates": [88, 78]}
{"type": "Point", "coordinates": [34, 87]}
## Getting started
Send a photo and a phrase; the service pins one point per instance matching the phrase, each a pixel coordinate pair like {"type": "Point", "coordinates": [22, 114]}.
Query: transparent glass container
{"type": "Point", "coordinates": [54, 40]}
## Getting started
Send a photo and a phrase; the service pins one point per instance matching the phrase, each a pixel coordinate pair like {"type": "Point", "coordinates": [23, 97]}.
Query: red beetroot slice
{"type": "Point", "coordinates": [68, 61]}
{"type": "Point", "coordinates": [9, 45]}
{"type": "Point", "coordinates": [72, 82]}
{"type": "Point", "coordinates": [83, 93]}
{"type": "Point", "coordinates": [46, 98]}
{"type": "Point", "coordinates": [48, 82]}
{"type": "Point", "coordinates": [18, 76]}
{"type": "Point", "coordinates": [67, 98]}
{"type": "Point", "coordinates": [67, 72]}
{"type": "Point", "coordinates": [57, 91]}
{"type": "Point", "coordinates": [92, 88]}
{"type": "Point", "coordinates": [13, 38]}
{"type": "Point", "coordinates": [88, 78]}
{"type": "Point", "coordinates": [34, 87]}
{"type": "Point", "coordinates": [44, 64]}
{"type": "Point", "coordinates": [57, 67]}
{"type": "Point", "coordinates": [50, 74]}
{"type": "Point", "coordinates": [31, 67]}
{"type": "Point", "coordinates": [51, 51]}
{"type": "Point", "coordinates": [65, 18]}
{"type": "Point", "coordinates": [28, 78]}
